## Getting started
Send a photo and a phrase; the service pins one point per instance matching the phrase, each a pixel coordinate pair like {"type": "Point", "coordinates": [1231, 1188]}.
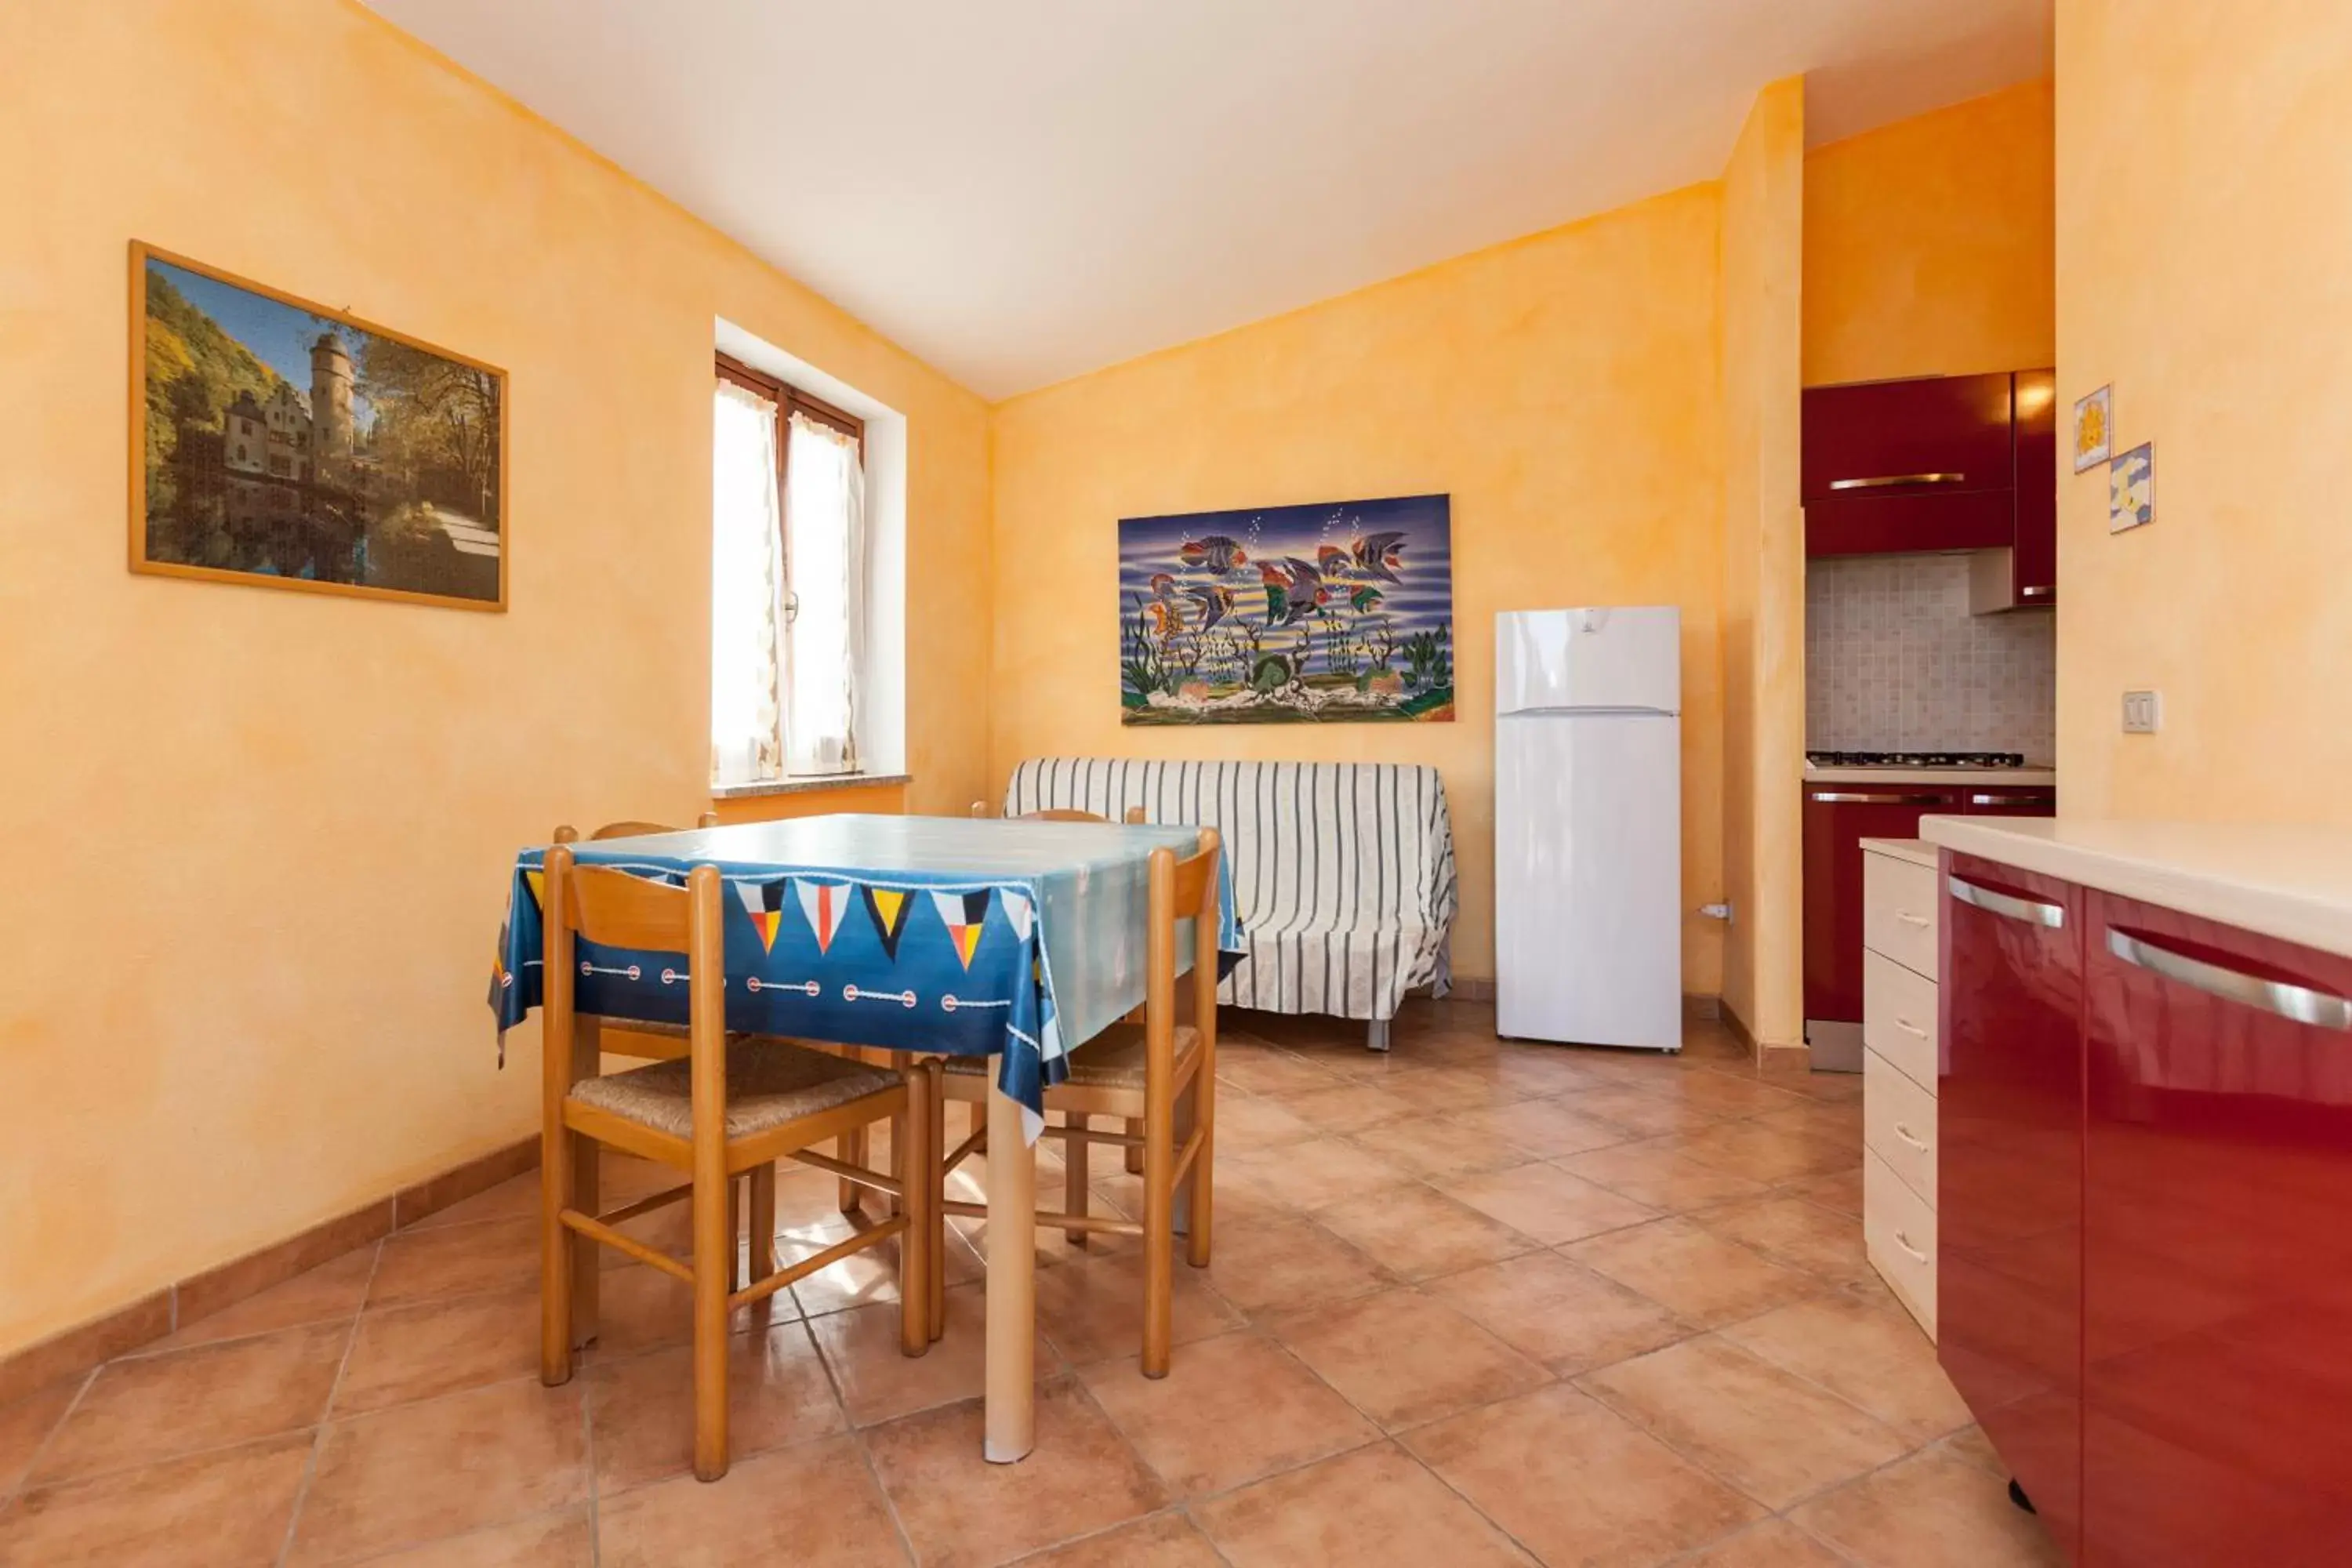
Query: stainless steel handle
{"type": "Point", "coordinates": [1909, 1027]}
{"type": "Point", "coordinates": [1904, 1242]}
{"type": "Point", "coordinates": [1903, 1131]}
{"type": "Point", "coordinates": [2005, 800]}
{"type": "Point", "coordinates": [1833, 797]}
{"type": "Point", "coordinates": [2032, 912]}
{"type": "Point", "coordinates": [2321, 1009]}
{"type": "Point", "coordinates": [2037, 592]}
{"type": "Point", "coordinates": [1888, 481]}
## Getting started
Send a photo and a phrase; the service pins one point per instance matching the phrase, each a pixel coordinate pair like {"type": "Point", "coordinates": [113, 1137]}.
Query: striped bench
{"type": "Point", "coordinates": [1343, 872]}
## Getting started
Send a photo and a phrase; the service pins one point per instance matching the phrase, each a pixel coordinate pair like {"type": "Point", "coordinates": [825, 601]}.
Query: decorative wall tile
{"type": "Point", "coordinates": [1894, 662]}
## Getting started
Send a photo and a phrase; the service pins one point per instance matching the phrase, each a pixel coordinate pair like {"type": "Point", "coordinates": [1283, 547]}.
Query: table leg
{"type": "Point", "coordinates": [1011, 1416]}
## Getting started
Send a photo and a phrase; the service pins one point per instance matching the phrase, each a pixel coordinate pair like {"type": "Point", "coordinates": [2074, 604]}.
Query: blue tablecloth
{"type": "Point", "coordinates": [965, 937]}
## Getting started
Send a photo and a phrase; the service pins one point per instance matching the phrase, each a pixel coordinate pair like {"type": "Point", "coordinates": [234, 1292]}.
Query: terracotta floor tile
{"type": "Point", "coordinates": [1840, 1191]}
{"type": "Point", "coordinates": [1931, 1511]}
{"type": "Point", "coordinates": [1558, 1313]}
{"type": "Point", "coordinates": [959, 1512]}
{"type": "Point", "coordinates": [1163, 1540]}
{"type": "Point", "coordinates": [1271, 1071]}
{"type": "Point", "coordinates": [1440, 1091]}
{"type": "Point", "coordinates": [1767, 1154]}
{"type": "Point", "coordinates": [1836, 1120]}
{"type": "Point", "coordinates": [814, 1506]}
{"type": "Point", "coordinates": [420, 1472]}
{"type": "Point", "coordinates": [559, 1540]}
{"type": "Point", "coordinates": [1546, 1203]}
{"type": "Point", "coordinates": [641, 1412]}
{"type": "Point", "coordinates": [1348, 1107]}
{"type": "Point", "coordinates": [1541, 1070]}
{"type": "Point", "coordinates": [1230, 1410]}
{"type": "Point", "coordinates": [1577, 1483]}
{"type": "Point", "coordinates": [1416, 1233]}
{"type": "Point", "coordinates": [436, 1347]}
{"type": "Point", "coordinates": [1092, 1307]}
{"type": "Point", "coordinates": [459, 1260]}
{"type": "Point", "coordinates": [1654, 1171]}
{"type": "Point", "coordinates": [1440, 1146]}
{"type": "Point", "coordinates": [1403, 1357]}
{"type": "Point", "coordinates": [863, 1277]}
{"type": "Point", "coordinates": [1643, 1111]}
{"type": "Point", "coordinates": [1693, 1273]}
{"type": "Point", "coordinates": [1971, 1446]}
{"type": "Point", "coordinates": [1774, 1543]}
{"type": "Point", "coordinates": [223, 1508]}
{"type": "Point", "coordinates": [879, 1382]}
{"type": "Point", "coordinates": [1874, 1357]}
{"type": "Point", "coordinates": [1790, 1230]}
{"type": "Point", "coordinates": [330, 1293]}
{"type": "Point", "coordinates": [1374, 1507]}
{"type": "Point", "coordinates": [1547, 1129]}
{"type": "Point", "coordinates": [1285, 1264]}
{"type": "Point", "coordinates": [1255, 1121]}
{"type": "Point", "coordinates": [1313, 1174]}
{"type": "Point", "coordinates": [1775, 1436]}
{"type": "Point", "coordinates": [516, 1197]}
{"type": "Point", "coordinates": [641, 1309]}
{"type": "Point", "coordinates": [26, 1424]}
{"type": "Point", "coordinates": [148, 1408]}
{"type": "Point", "coordinates": [1736, 1094]}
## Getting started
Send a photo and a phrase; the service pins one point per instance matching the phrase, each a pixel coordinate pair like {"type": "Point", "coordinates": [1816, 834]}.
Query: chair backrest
{"type": "Point", "coordinates": [1378, 837]}
{"type": "Point", "coordinates": [1059, 814]}
{"type": "Point", "coordinates": [1183, 890]}
{"type": "Point", "coordinates": [613, 908]}
{"type": "Point", "coordinates": [567, 834]}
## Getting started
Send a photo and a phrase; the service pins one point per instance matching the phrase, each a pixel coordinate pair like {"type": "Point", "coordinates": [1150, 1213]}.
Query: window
{"type": "Point", "coordinates": [788, 581]}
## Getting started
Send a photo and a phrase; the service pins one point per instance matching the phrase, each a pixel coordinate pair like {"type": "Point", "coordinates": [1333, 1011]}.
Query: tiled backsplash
{"type": "Point", "coordinates": [1894, 661]}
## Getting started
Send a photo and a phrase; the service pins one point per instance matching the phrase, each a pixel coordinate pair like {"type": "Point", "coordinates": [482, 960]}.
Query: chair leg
{"type": "Point", "coordinates": [714, 1262]}
{"type": "Point", "coordinates": [852, 1147]}
{"type": "Point", "coordinates": [893, 1204]}
{"type": "Point", "coordinates": [1134, 1155]}
{"type": "Point", "coordinates": [1073, 1172]}
{"type": "Point", "coordinates": [936, 1154]}
{"type": "Point", "coordinates": [1200, 1185]}
{"type": "Point", "coordinates": [735, 1232]}
{"type": "Point", "coordinates": [762, 1227]}
{"type": "Point", "coordinates": [556, 1245]}
{"type": "Point", "coordinates": [1158, 1236]}
{"type": "Point", "coordinates": [587, 1267]}
{"type": "Point", "coordinates": [910, 1157]}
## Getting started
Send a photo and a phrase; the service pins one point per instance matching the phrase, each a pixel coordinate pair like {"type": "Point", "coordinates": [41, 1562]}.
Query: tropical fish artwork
{"type": "Point", "coordinates": [1297, 615]}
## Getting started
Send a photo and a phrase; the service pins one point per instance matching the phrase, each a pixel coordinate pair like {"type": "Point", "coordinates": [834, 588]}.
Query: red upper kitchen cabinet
{"type": "Point", "coordinates": [2217, 1252]}
{"type": "Point", "coordinates": [2009, 1173]}
{"type": "Point", "coordinates": [1910, 465]}
{"type": "Point", "coordinates": [2026, 574]}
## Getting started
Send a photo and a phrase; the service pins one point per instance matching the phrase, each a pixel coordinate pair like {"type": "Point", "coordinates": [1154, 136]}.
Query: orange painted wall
{"type": "Point", "coordinates": [1930, 244]}
{"type": "Point", "coordinates": [2202, 240]}
{"type": "Point", "coordinates": [1561, 388]}
{"type": "Point", "coordinates": [247, 936]}
{"type": "Point", "coordinates": [1764, 568]}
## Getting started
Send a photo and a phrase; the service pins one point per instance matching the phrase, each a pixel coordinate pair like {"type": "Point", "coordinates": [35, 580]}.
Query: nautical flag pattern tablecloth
{"type": "Point", "coordinates": [1020, 939]}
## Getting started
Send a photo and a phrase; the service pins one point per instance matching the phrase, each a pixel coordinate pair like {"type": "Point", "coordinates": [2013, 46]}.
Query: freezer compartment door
{"type": "Point", "coordinates": [1588, 880]}
{"type": "Point", "coordinates": [1621, 658]}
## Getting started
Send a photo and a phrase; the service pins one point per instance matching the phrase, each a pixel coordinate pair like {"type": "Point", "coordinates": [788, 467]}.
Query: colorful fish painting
{"type": "Point", "coordinates": [1347, 618]}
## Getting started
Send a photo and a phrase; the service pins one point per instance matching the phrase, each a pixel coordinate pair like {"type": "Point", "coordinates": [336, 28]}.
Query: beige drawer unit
{"type": "Point", "coordinates": [1898, 912]}
{"type": "Point", "coordinates": [1898, 1017]}
{"type": "Point", "coordinates": [1898, 1230]}
{"type": "Point", "coordinates": [1898, 1124]}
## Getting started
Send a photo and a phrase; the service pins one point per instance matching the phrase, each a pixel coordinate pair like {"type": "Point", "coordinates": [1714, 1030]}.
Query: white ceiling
{"type": "Point", "coordinates": [1023, 190]}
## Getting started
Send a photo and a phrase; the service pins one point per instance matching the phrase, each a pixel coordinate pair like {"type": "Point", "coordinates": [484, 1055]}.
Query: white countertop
{"type": "Point", "coordinates": [1955, 778]}
{"type": "Point", "coordinates": [1918, 851]}
{"type": "Point", "coordinates": [2294, 883]}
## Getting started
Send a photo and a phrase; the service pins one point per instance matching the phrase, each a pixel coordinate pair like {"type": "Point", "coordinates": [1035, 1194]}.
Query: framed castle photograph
{"type": "Point", "coordinates": [281, 443]}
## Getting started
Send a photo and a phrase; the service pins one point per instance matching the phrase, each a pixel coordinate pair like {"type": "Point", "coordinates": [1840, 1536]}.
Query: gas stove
{"type": "Point", "coordinates": [1916, 759]}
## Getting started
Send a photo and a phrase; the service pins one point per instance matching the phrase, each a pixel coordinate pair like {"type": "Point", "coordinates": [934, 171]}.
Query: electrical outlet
{"type": "Point", "coordinates": [2143, 712]}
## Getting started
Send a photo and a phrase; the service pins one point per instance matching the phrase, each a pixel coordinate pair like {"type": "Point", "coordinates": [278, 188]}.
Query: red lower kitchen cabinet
{"type": "Point", "coordinates": [2218, 1246]}
{"type": "Point", "coordinates": [1838, 817]}
{"type": "Point", "coordinates": [2009, 1176]}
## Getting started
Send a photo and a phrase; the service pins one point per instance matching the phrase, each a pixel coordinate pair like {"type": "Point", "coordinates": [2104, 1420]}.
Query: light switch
{"type": "Point", "coordinates": [2143, 712]}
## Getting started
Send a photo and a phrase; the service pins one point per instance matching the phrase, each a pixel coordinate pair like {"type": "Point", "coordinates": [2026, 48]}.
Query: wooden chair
{"type": "Point", "coordinates": [1061, 813]}
{"type": "Point", "coordinates": [725, 1108]}
{"type": "Point", "coordinates": [1140, 1073]}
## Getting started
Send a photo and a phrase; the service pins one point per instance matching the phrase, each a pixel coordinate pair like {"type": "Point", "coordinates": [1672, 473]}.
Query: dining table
{"type": "Point", "coordinates": [956, 936]}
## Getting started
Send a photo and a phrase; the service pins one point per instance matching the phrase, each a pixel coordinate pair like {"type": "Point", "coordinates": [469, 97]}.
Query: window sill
{"type": "Point", "coordinates": [806, 784]}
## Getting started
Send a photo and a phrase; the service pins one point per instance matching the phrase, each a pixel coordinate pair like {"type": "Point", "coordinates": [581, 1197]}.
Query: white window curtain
{"type": "Point", "coordinates": [747, 592]}
{"type": "Point", "coordinates": [824, 601]}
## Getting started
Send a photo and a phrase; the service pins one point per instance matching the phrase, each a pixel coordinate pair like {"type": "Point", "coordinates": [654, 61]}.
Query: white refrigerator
{"type": "Point", "coordinates": [1588, 826]}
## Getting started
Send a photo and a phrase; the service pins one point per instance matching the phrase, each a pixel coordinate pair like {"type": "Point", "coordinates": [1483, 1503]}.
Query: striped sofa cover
{"type": "Point", "coordinates": [1343, 872]}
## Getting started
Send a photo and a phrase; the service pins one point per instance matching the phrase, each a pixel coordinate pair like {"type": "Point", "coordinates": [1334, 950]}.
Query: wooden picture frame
{"type": "Point", "coordinates": [397, 492]}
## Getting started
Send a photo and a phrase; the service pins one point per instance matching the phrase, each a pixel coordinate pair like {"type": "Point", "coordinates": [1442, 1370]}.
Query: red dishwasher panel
{"type": "Point", "coordinates": [2218, 1246]}
{"type": "Point", "coordinates": [2010, 1177]}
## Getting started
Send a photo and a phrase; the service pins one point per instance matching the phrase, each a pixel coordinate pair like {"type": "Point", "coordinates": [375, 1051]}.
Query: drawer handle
{"type": "Point", "coordinates": [1904, 1132]}
{"type": "Point", "coordinates": [2032, 911]}
{"type": "Point", "coordinates": [1904, 1242]}
{"type": "Point", "coordinates": [1907, 917]}
{"type": "Point", "coordinates": [2302, 1003]}
{"type": "Point", "coordinates": [1864, 797]}
{"type": "Point", "coordinates": [1909, 1027]}
{"type": "Point", "coordinates": [1887, 482]}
